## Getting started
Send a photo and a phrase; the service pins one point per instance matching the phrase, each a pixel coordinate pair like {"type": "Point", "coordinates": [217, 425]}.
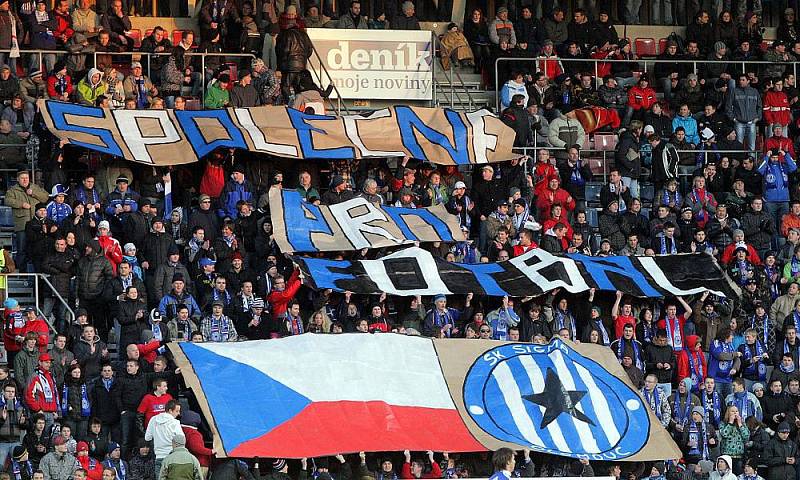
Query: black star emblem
{"type": "Point", "coordinates": [556, 400]}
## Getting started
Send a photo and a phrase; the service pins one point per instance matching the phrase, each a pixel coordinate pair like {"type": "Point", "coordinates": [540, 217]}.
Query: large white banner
{"type": "Point", "coordinates": [376, 64]}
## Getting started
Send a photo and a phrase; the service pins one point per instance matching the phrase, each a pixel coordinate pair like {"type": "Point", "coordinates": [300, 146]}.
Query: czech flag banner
{"type": "Point", "coordinates": [313, 395]}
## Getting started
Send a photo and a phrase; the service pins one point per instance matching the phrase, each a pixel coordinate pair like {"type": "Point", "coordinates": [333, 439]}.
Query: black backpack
{"type": "Point", "coordinates": [674, 37]}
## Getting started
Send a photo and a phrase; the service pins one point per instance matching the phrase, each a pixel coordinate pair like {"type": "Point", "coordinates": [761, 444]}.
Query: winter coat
{"type": "Point", "coordinates": [88, 92]}
{"type": "Point", "coordinates": [775, 456]}
{"type": "Point", "coordinates": [16, 196]}
{"type": "Point", "coordinates": [180, 465]}
{"type": "Point", "coordinates": [161, 430]}
{"type": "Point", "coordinates": [743, 104]}
{"type": "Point", "coordinates": [92, 273]}
{"type": "Point", "coordinates": [776, 178]}
{"type": "Point", "coordinates": [102, 400]}
{"type": "Point", "coordinates": [758, 227]}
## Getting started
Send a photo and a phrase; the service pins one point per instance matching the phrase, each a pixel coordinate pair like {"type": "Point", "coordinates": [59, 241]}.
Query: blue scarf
{"type": "Point", "coordinates": [671, 197]}
{"type": "Point", "coordinates": [774, 287]}
{"type": "Point", "coordinates": [598, 324]}
{"type": "Point", "coordinates": [698, 434]}
{"type": "Point", "coordinates": [561, 318]}
{"type": "Point", "coordinates": [681, 416]}
{"type": "Point", "coordinates": [219, 328]}
{"type": "Point", "coordinates": [695, 370]}
{"type": "Point", "coordinates": [86, 407]}
{"type": "Point", "coordinates": [761, 325]}
{"type": "Point", "coordinates": [121, 471]}
{"type": "Point", "coordinates": [674, 333]}
{"type": "Point", "coordinates": [741, 402]}
{"type": "Point", "coordinates": [758, 368]}
{"type": "Point", "coordinates": [711, 406]}
{"type": "Point", "coordinates": [672, 248]}
{"type": "Point", "coordinates": [440, 319]}
{"type": "Point", "coordinates": [294, 324]}
{"type": "Point", "coordinates": [577, 179]}
{"type": "Point", "coordinates": [653, 400]}
{"type": "Point", "coordinates": [16, 469]}
{"type": "Point", "coordinates": [141, 93]}
{"type": "Point", "coordinates": [795, 266]}
{"type": "Point", "coordinates": [637, 354]}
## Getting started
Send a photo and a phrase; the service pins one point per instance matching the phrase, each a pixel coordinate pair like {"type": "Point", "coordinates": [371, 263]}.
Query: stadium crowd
{"type": "Point", "coordinates": [704, 162]}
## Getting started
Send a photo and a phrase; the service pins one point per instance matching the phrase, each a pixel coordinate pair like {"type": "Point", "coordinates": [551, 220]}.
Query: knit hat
{"type": "Point", "coordinates": [687, 384]}
{"type": "Point", "coordinates": [719, 46]}
{"type": "Point", "coordinates": [205, 261]}
{"type": "Point", "coordinates": [336, 181]}
{"type": "Point", "coordinates": [11, 303]}
{"type": "Point", "coordinates": [113, 446]}
{"type": "Point", "coordinates": [757, 386]}
{"type": "Point", "coordinates": [698, 409]}
{"type": "Point", "coordinates": [128, 246]}
{"type": "Point", "coordinates": [706, 466]}
{"type": "Point", "coordinates": [104, 224]}
{"type": "Point", "coordinates": [784, 427]}
{"type": "Point", "coordinates": [19, 452]}
{"type": "Point", "coordinates": [438, 297]}
{"type": "Point", "coordinates": [122, 178]}
{"type": "Point", "coordinates": [179, 440]}
{"type": "Point", "coordinates": [82, 447]}
{"type": "Point", "coordinates": [40, 206]}
{"type": "Point", "coordinates": [178, 277]}
{"type": "Point", "coordinates": [190, 418]}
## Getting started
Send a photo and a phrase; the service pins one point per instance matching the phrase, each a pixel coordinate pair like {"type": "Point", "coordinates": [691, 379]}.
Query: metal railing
{"type": "Point", "coordinates": [142, 55]}
{"type": "Point", "coordinates": [450, 73]}
{"type": "Point", "coordinates": [36, 278]}
{"type": "Point", "coordinates": [323, 69]}
{"type": "Point", "coordinates": [644, 64]}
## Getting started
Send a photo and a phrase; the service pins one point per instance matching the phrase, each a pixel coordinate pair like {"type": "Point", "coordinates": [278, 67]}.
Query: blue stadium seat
{"type": "Point", "coordinates": [591, 217]}
{"type": "Point", "coordinates": [647, 192]}
{"type": "Point", "coordinates": [592, 193]}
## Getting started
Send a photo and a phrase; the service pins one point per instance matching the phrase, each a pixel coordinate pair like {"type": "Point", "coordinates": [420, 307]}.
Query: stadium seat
{"type": "Point", "coordinates": [592, 193]}
{"type": "Point", "coordinates": [645, 47]}
{"type": "Point", "coordinates": [646, 212]}
{"type": "Point", "coordinates": [765, 44]}
{"type": "Point", "coordinates": [647, 193]}
{"type": "Point", "coordinates": [592, 216]}
{"type": "Point", "coordinates": [662, 45]}
{"type": "Point", "coordinates": [176, 36]}
{"type": "Point", "coordinates": [148, 32]}
{"type": "Point", "coordinates": [605, 141]}
{"type": "Point", "coordinates": [136, 35]}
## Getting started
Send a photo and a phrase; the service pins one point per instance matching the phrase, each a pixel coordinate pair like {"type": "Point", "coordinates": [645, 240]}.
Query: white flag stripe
{"type": "Point", "coordinates": [513, 398]}
{"type": "Point", "coordinates": [537, 380]}
{"type": "Point", "coordinates": [584, 431]}
{"type": "Point", "coordinates": [303, 363]}
{"type": "Point", "coordinates": [601, 408]}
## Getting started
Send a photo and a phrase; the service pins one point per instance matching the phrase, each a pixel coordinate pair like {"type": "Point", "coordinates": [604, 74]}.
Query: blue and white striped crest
{"type": "Point", "coordinates": [554, 400]}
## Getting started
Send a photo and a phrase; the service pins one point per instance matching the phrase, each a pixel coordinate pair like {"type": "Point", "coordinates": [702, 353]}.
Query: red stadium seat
{"type": "Point", "coordinates": [765, 44]}
{"type": "Point", "coordinates": [645, 47]}
{"type": "Point", "coordinates": [176, 36]}
{"type": "Point", "coordinates": [605, 141]}
{"type": "Point", "coordinates": [662, 45]}
{"type": "Point", "coordinates": [148, 32]}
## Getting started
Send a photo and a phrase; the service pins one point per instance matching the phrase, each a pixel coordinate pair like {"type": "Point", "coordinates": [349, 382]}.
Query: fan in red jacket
{"type": "Point", "coordinates": [194, 440]}
{"type": "Point", "coordinates": [776, 106]}
{"type": "Point", "coordinates": [641, 97]}
{"type": "Point", "coordinates": [282, 292]}
{"type": "Point", "coordinates": [42, 394]}
{"type": "Point", "coordinates": [777, 142]}
{"type": "Point", "coordinates": [542, 171]}
{"type": "Point", "coordinates": [37, 325]}
{"type": "Point", "coordinates": [554, 195]}
{"type": "Point", "coordinates": [14, 328]}
{"type": "Point", "coordinates": [416, 469]}
{"type": "Point", "coordinates": [94, 469]}
{"type": "Point", "coordinates": [59, 83]}
{"type": "Point", "coordinates": [692, 362]}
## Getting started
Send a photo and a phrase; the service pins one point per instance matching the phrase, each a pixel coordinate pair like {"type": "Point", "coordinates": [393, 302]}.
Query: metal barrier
{"type": "Point", "coordinates": [451, 73]}
{"type": "Point", "coordinates": [36, 278]}
{"type": "Point", "coordinates": [339, 102]}
{"type": "Point", "coordinates": [642, 63]}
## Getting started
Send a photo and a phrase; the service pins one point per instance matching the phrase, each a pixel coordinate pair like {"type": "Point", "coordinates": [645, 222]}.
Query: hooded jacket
{"type": "Point", "coordinates": [88, 92]}
{"type": "Point", "coordinates": [93, 271]}
{"type": "Point", "coordinates": [161, 430]}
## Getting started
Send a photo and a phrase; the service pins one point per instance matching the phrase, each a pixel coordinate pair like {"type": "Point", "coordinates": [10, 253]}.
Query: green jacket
{"type": "Point", "coordinates": [87, 94]}
{"type": "Point", "coordinates": [216, 97]}
{"type": "Point", "coordinates": [180, 465]}
{"type": "Point", "coordinates": [25, 365]}
{"type": "Point", "coordinates": [733, 439]}
{"type": "Point", "coordinates": [16, 196]}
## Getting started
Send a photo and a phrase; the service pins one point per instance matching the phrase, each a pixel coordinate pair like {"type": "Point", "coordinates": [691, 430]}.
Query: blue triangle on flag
{"type": "Point", "coordinates": [245, 402]}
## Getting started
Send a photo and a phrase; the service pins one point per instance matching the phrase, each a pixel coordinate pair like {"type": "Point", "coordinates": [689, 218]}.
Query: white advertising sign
{"type": "Point", "coordinates": [375, 64]}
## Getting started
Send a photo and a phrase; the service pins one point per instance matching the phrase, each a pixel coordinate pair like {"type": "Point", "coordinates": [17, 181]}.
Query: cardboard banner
{"type": "Point", "coordinates": [300, 226]}
{"type": "Point", "coordinates": [169, 137]}
{"type": "Point", "coordinates": [415, 271]}
{"type": "Point", "coordinates": [313, 395]}
{"type": "Point", "coordinates": [375, 64]}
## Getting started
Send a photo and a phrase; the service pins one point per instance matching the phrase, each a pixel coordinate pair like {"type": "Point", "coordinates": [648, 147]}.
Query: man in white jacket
{"type": "Point", "coordinates": [162, 429]}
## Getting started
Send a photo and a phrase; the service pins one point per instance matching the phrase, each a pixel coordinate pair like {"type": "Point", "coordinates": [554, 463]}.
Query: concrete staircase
{"type": "Point", "coordinates": [464, 93]}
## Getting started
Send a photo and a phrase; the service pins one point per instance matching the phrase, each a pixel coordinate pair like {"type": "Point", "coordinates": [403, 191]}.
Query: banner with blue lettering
{"type": "Point", "coordinates": [300, 226]}
{"type": "Point", "coordinates": [414, 271]}
{"type": "Point", "coordinates": [169, 137]}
